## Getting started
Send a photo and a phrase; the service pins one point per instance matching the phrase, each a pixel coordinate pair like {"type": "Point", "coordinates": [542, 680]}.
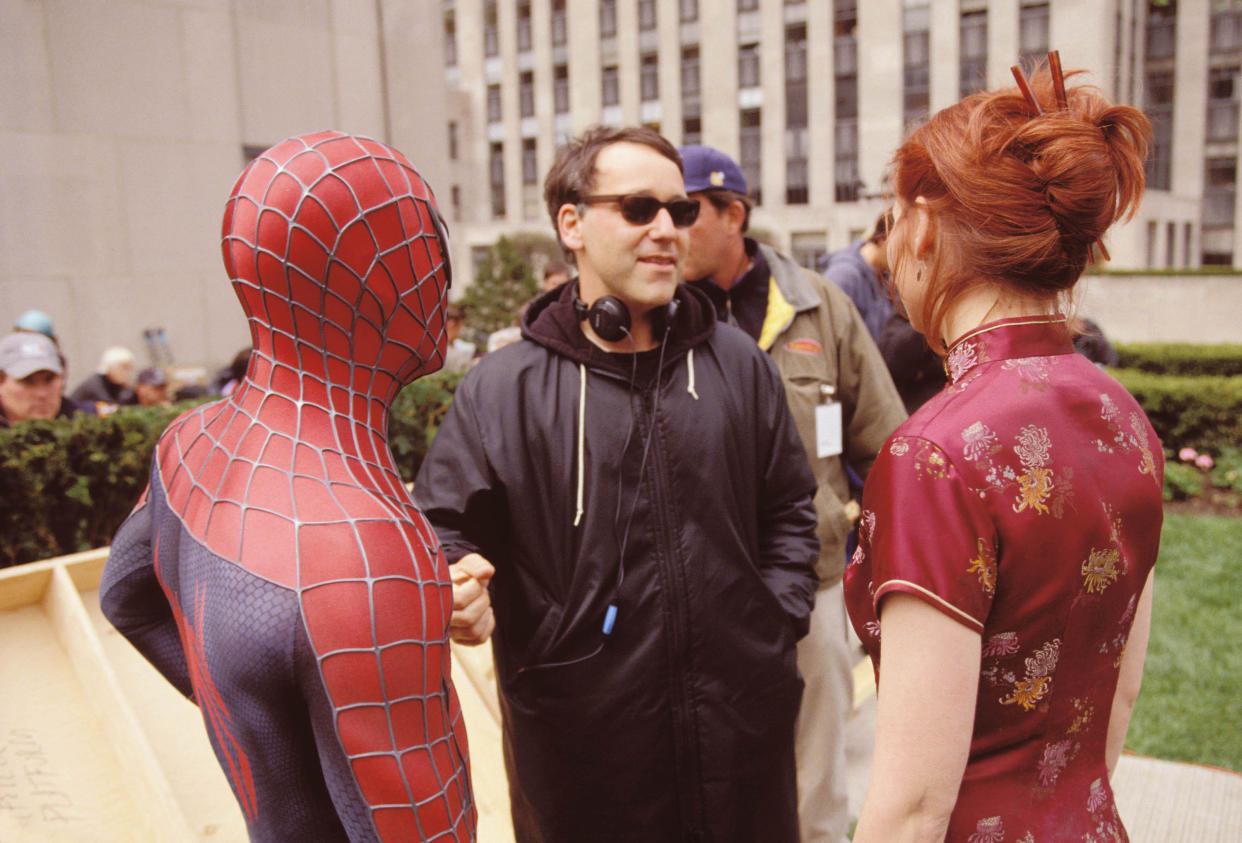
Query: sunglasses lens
{"type": "Point", "coordinates": [684, 212]}
{"type": "Point", "coordinates": [639, 210]}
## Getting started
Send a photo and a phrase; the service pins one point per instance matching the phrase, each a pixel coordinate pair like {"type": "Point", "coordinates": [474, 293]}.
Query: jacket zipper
{"type": "Point", "coordinates": [686, 742]}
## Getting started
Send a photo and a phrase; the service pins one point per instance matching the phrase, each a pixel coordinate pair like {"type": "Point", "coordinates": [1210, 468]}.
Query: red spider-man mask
{"type": "Point", "coordinates": [340, 258]}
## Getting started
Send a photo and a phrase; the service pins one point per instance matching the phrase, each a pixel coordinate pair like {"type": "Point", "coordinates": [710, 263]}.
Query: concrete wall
{"type": "Point", "coordinates": [1160, 308]}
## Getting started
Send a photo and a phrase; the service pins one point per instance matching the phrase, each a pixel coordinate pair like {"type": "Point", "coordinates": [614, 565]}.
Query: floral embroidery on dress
{"type": "Point", "coordinates": [1035, 485]}
{"type": "Point", "coordinates": [1029, 691]}
{"type": "Point", "coordinates": [899, 447]}
{"type": "Point", "coordinates": [984, 566]}
{"type": "Point", "coordinates": [1001, 644]}
{"type": "Point", "coordinates": [1117, 644]}
{"type": "Point", "coordinates": [1033, 372]}
{"type": "Point", "coordinates": [1097, 798]}
{"type": "Point", "coordinates": [981, 442]}
{"type": "Point", "coordinates": [929, 460]}
{"type": "Point", "coordinates": [1100, 569]}
{"type": "Point", "coordinates": [1136, 439]}
{"type": "Point", "coordinates": [1056, 755]}
{"type": "Point", "coordinates": [961, 359]}
{"type": "Point", "coordinates": [988, 830]}
{"type": "Point", "coordinates": [1082, 722]}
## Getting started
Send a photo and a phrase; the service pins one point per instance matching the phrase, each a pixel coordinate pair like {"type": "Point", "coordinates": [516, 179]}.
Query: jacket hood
{"type": "Point", "coordinates": [550, 321]}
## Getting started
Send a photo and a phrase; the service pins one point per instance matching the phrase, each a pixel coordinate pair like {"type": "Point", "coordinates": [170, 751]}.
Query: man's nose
{"type": "Point", "coordinates": [662, 226]}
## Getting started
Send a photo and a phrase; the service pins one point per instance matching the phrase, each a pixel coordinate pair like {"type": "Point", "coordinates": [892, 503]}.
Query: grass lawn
{"type": "Point", "coordinates": [1190, 707]}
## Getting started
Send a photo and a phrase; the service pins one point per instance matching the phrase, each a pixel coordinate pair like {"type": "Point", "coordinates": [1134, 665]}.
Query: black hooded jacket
{"type": "Point", "coordinates": [672, 486]}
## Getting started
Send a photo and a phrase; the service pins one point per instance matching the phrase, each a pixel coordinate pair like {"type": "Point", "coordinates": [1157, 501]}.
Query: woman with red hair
{"type": "Point", "coordinates": [1011, 525]}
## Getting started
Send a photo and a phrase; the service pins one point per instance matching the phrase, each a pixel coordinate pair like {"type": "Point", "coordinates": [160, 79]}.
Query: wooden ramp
{"type": "Point", "coordinates": [96, 746]}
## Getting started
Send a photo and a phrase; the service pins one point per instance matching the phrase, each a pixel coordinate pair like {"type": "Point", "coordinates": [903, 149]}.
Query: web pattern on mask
{"type": "Point", "coordinates": [335, 248]}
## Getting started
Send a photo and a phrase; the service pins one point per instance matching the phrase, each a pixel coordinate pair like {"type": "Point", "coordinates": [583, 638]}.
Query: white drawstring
{"type": "Point", "coordinates": [690, 376]}
{"type": "Point", "coordinates": [581, 437]}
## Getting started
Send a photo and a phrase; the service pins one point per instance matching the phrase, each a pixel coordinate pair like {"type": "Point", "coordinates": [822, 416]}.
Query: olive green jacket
{"type": "Point", "coordinates": [825, 353]}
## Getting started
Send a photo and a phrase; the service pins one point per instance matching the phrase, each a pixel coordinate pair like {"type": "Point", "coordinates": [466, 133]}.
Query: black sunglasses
{"type": "Point", "coordinates": [640, 209]}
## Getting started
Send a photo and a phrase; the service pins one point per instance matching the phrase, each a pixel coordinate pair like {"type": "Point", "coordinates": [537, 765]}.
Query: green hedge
{"type": "Point", "coordinates": [66, 485]}
{"type": "Point", "coordinates": [1203, 412]}
{"type": "Point", "coordinates": [1181, 358]}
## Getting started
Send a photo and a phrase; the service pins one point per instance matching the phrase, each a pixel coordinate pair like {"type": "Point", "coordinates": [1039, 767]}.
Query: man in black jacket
{"type": "Point", "coordinates": [626, 489]}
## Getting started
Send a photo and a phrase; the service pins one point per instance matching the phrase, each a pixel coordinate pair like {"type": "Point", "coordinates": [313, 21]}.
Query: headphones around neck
{"type": "Point", "coordinates": [610, 318]}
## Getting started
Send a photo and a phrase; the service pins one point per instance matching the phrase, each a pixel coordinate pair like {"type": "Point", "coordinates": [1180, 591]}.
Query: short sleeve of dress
{"type": "Point", "coordinates": [927, 533]}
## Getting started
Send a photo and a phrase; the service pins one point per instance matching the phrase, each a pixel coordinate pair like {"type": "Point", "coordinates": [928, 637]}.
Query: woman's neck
{"type": "Point", "coordinates": [989, 303]}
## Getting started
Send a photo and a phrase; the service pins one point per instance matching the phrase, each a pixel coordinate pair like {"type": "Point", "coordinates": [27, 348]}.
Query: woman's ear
{"type": "Point", "coordinates": [924, 230]}
{"type": "Point", "coordinates": [569, 226]}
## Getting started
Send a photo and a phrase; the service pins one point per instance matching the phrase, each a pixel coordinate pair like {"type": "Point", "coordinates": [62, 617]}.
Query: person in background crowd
{"type": "Point", "coordinates": [151, 387]}
{"type": "Point", "coordinates": [32, 378]}
{"type": "Point", "coordinates": [555, 273]}
{"type": "Point", "coordinates": [628, 479]}
{"type": "Point", "coordinates": [231, 375]}
{"type": "Point", "coordinates": [917, 371]}
{"type": "Point", "coordinates": [36, 322]}
{"type": "Point", "coordinates": [837, 390]}
{"type": "Point", "coordinates": [460, 350]}
{"type": "Point", "coordinates": [1090, 342]}
{"type": "Point", "coordinates": [111, 382]}
{"type": "Point", "coordinates": [861, 270]}
{"type": "Point", "coordinates": [1003, 579]}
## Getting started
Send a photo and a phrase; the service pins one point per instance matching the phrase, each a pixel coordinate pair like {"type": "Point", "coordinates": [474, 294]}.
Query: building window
{"type": "Point", "coordinates": [1158, 104]}
{"type": "Point", "coordinates": [452, 140]}
{"type": "Point", "coordinates": [748, 66]}
{"type": "Point", "coordinates": [560, 89]}
{"type": "Point", "coordinates": [450, 37]}
{"type": "Point", "coordinates": [688, 10]}
{"type": "Point", "coordinates": [607, 18]}
{"type": "Point", "coordinates": [916, 67]}
{"type": "Point", "coordinates": [1161, 30]}
{"type": "Point", "coordinates": [496, 178]}
{"type": "Point", "coordinates": [493, 103]}
{"type": "Point", "coordinates": [690, 73]}
{"type": "Point", "coordinates": [1226, 28]}
{"type": "Point", "coordinates": [797, 169]}
{"type": "Point", "coordinates": [523, 27]}
{"type": "Point", "coordinates": [455, 199]}
{"type": "Point", "coordinates": [973, 67]}
{"type": "Point", "coordinates": [649, 77]}
{"type": "Point", "coordinates": [610, 92]}
{"type": "Point", "coordinates": [691, 130]}
{"type": "Point", "coordinates": [1222, 105]}
{"type": "Point", "coordinates": [846, 183]}
{"type": "Point", "coordinates": [526, 93]}
{"type": "Point", "coordinates": [491, 29]}
{"type": "Point", "coordinates": [646, 14]}
{"type": "Point", "coordinates": [1219, 192]}
{"type": "Point", "coordinates": [750, 151]}
{"type": "Point", "coordinates": [1033, 30]}
{"type": "Point", "coordinates": [559, 32]}
{"type": "Point", "coordinates": [530, 166]}
{"type": "Point", "coordinates": [747, 5]}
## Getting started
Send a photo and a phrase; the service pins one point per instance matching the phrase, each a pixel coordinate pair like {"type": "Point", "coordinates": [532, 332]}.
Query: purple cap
{"type": "Point", "coordinates": [707, 168]}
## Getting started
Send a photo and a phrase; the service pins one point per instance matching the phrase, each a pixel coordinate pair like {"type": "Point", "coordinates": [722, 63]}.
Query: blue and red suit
{"type": "Point", "coordinates": [276, 570]}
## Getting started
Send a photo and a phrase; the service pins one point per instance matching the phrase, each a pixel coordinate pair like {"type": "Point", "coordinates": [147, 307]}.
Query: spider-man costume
{"type": "Point", "coordinates": [276, 571]}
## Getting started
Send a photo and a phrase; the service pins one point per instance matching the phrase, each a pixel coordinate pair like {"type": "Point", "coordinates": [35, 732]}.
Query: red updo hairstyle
{"type": "Point", "coordinates": [1018, 198]}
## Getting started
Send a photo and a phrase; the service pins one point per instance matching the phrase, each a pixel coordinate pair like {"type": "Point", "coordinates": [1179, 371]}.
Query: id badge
{"type": "Point", "coordinates": [828, 441]}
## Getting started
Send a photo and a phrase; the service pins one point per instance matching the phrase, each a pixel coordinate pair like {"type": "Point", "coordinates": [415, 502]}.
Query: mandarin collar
{"type": "Point", "coordinates": [1007, 339]}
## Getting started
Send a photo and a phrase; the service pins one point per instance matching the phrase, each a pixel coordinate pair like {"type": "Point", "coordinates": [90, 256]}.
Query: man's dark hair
{"type": "Point", "coordinates": [883, 225]}
{"type": "Point", "coordinates": [721, 199]}
{"type": "Point", "coordinates": [572, 175]}
{"type": "Point", "coordinates": [555, 267]}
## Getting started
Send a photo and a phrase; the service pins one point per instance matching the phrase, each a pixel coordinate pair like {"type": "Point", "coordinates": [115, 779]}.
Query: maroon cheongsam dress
{"type": "Point", "coordinates": [276, 570]}
{"type": "Point", "coordinates": [1024, 502]}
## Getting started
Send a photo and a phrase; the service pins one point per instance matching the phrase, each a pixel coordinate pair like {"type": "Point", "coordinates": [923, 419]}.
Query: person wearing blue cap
{"type": "Point", "coordinates": [36, 322]}
{"type": "Point", "coordinates": [844, 405]}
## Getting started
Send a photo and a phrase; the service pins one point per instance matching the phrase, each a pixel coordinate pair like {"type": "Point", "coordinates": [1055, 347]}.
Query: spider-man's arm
{"type": "Point", "coordinates": [132, 599]}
